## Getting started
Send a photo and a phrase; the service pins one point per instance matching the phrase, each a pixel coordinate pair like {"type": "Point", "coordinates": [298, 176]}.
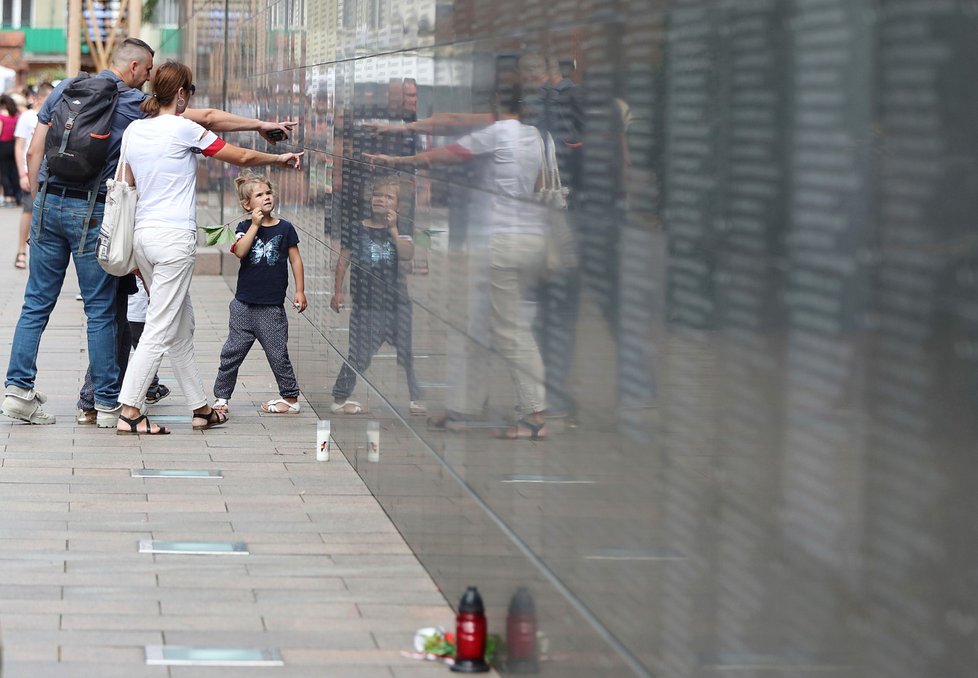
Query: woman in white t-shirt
{"type": "Point", "coordinates": [161, 161]}
{"type": "Point", "coordinates": [506, 255]}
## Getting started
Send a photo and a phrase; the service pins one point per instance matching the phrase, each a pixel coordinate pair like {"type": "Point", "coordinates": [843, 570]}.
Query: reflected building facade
{"type": "Point", "coordinates": [765, 360]}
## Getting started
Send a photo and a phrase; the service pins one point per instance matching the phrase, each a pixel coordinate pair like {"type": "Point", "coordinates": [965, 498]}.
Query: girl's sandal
{"type": "Point", "coordinates": [221, 405]}
{"type": "Point", "coordinates": [524, 430]}
{"type": "Point", "coordinates": [134, 427]}
{"type": "Point", "coordinates": [214, 418]}
{"type": "Point", "coordinates": [274, 407]}
{"type": "Point", "coordinates": [21, 260]}
{"type": "Point", "coordinates": [348, 407]}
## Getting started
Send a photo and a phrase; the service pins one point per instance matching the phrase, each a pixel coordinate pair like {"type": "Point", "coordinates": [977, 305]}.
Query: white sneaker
{"type": "Point", "coordinates": [25, 404]}
{"type": "Point", "coordinates": [418, 408]}
{"type": "Point", "coordinates": [108, 418]}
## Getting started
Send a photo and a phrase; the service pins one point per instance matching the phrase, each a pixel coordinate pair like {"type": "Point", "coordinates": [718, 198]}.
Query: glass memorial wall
{"type": "Point", "coordinates": [759, 372]}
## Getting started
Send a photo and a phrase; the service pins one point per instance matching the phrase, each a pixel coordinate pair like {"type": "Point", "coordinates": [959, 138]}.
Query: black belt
{"type": "Point", "coordinates": [76, 193]}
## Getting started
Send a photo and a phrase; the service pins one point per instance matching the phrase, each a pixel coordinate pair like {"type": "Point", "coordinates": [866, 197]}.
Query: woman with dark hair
{"type": "Point", "coordinates": [506, 256]}
{"type": "Point", "coordinates": [163, 167]}
{"type": "Point", "coordinates": [9, 177]}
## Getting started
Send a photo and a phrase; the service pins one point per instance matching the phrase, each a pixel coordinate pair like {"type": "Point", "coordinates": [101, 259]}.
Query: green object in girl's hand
{"type": "Point", "coordinates": [218, 235]}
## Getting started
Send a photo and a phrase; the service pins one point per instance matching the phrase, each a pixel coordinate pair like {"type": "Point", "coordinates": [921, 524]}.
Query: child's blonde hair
{"type": "Point", "coordinates": [386, 181]}
{"type": "Point", "coordinates": [246, 181]}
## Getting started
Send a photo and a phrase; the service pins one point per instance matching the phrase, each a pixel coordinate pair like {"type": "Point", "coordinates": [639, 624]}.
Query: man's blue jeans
{"type": "Point", "coordinates": [52, 245]}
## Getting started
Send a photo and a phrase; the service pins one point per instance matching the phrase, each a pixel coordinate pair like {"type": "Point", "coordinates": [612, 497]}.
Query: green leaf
{"type": "Point", "coordinates": [218, 235]}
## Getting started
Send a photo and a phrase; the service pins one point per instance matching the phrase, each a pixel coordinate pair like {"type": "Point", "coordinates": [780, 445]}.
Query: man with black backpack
{"type": "Point", "coordinates": [74, 151]}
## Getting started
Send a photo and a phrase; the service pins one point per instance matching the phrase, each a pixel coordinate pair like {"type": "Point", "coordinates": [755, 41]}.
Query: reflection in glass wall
{"type": "Point", "coordinates": [708, 405]}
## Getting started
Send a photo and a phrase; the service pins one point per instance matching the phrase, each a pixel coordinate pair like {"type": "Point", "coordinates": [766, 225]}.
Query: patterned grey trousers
{"type": "Point", "coordinates": [270, 326]}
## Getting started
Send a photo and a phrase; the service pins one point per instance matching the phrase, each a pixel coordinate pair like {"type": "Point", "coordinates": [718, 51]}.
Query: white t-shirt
{"type": "Point", "coordinates": [162, 155]}
{"type": "Point", "coordinates": [512, 156]}
{"type": "Point", "coordinates": [26, 124]}
{"type": "Point", "coordinates": [138, 303]}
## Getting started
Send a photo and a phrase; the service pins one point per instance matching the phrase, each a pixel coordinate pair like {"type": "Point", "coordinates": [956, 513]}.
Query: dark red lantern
{"type": "Point", "coordinates": [470, 634]}
{"type": "Point", "coordinates": [521, 634]}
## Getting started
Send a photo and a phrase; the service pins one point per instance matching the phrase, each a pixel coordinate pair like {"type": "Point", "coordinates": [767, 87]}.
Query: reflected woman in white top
{"type": "Point", "coordinates": [161, 162]}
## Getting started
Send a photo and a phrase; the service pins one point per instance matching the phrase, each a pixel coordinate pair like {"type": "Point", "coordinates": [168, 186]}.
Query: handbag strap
{"type": "Point", "coordinates": [120, 166]}
{"type": "Point", "coordinates": [552, 163]}
{"type": "Point", "coordinates": [546, 184]}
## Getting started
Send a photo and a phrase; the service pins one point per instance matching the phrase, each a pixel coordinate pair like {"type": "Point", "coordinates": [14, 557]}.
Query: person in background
{"type": "Point", "coordinates": [23, 132]}
{"type": "Point", "coordinates": [9, 177]}
{"type": "Point", "coordinates": [555, 105]}
{"type": "Point", "coordinates": [131, 301]}
{"type": "Point", "coordinates": [136, 316]}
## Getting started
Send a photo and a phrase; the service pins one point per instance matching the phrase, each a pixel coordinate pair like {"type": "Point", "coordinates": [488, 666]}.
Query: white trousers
{"type": "Point", "coordinates": [165, 257]}
{"type": "Point", "coordinates": [498, 282]}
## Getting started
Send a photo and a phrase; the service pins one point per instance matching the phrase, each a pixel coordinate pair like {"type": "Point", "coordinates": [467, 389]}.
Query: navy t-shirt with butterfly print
{"type": "Point", "coordinates": [376, 280]}
{"type": "Point", "coordinates": [264, 274]}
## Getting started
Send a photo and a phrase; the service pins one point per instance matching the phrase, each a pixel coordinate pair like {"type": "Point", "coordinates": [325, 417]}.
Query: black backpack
{"type": "Point", "coordinates": [77, 142]}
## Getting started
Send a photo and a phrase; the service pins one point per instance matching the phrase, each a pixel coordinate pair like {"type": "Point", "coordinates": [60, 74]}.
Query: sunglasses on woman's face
{"type": "Point", "coordinates": [193, 88]}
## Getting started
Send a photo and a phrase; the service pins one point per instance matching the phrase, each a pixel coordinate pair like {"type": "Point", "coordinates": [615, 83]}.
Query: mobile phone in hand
{"type": "Point", "coordinates": [276, 135]}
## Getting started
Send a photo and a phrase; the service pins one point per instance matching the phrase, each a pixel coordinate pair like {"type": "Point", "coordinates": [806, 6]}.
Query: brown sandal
{"type": "Point", "coordinates": [214, 418]}
{"type": "Point", "coordinates": [524, 430]}
{"type": "Point", "coordinates": [447, 421]}
{"type": "Point", "coordinates": [134, 427]}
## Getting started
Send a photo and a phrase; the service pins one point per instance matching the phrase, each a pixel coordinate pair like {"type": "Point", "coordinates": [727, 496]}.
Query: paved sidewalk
{"type": "Point", "coordinates": [329, 580]}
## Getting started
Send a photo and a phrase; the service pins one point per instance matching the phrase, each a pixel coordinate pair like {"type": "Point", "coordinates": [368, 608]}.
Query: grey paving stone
{"type": "Point", "coordinates": [287, 671]}
{"type": "Point", "coordinates": [17, 669]}
{"type": "Point", "coordinates": [228, 623]}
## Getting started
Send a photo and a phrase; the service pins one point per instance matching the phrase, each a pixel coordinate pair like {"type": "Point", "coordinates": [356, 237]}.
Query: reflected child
{"type": "Point", "coordinates": [376, 249]}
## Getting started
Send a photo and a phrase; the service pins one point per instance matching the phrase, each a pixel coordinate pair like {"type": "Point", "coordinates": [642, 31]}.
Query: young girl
{"type": "Point", "coordinates": [264, 245]}
{"type": "Point", "coordinates": [381, 306]}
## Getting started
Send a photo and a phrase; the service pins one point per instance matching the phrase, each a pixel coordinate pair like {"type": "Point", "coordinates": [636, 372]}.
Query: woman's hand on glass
{"type": "Point", "coordinates": [385, 128]}
{"type": "Point", "coordinates": [290, 160]}
{"type": "Point", "coordinates": [336, 303]}
{"type": "Point", "coordinates": [380, 159]}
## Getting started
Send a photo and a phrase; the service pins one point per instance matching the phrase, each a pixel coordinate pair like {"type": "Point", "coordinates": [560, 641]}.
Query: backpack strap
{"type": "Point", "coordinates": [40, 206]}
{"type": "Point", "coordinates": [92, 199]}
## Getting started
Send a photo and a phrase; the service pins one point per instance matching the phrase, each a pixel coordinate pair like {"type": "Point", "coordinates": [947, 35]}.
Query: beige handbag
{"type": "Point", "coordinates": [561, 247]}
{"type": "Point", "coordinates": [114, 252]}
